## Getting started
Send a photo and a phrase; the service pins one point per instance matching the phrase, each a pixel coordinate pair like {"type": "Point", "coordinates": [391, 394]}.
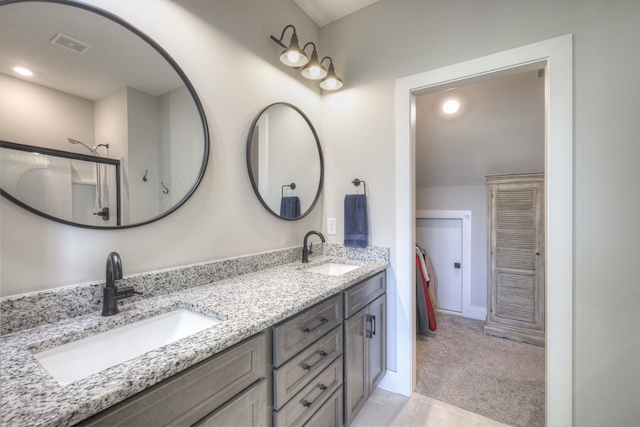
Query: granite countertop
{"type": "Point", "coordinates": [246, 304]}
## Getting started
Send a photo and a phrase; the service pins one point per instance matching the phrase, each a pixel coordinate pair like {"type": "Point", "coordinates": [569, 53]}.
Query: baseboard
{"type": "Point", "coordinates": [475, 312]}
{"type": "Point", "coordinates": [514, 333]}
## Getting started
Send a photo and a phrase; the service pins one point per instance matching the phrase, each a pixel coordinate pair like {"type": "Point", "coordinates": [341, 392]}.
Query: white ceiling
{"type": "Point", "coordinates": [116, 59]}
{"type": "Point", "coordinates": [324, 12]}
{"type": "Point", "coordinates": [499, 128]}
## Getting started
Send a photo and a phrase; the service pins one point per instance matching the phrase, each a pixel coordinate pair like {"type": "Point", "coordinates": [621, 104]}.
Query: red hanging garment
{"type": "Point", "coordinates": [430, 312]}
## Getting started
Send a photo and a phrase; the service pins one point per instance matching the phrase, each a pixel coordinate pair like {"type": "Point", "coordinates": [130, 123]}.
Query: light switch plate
{"type": "Point", "coordinates": [331, 226]}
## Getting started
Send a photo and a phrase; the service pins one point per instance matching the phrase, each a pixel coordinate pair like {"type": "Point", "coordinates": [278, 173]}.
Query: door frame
{"type": "Point", "coordinates": [557, 55]}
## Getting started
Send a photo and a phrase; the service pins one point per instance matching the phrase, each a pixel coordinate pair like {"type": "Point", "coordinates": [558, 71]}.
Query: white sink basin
{"type": "Point", "coordinates": [79, 359]}
{"type": "Point", "coordinates": [333, 269]}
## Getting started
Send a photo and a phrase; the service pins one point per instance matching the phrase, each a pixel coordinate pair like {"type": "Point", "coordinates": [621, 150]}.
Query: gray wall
{"type": "Point", "coordinates": [392, 39]}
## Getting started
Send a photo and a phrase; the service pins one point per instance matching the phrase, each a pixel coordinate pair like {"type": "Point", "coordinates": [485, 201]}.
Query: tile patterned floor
{"type": "Point", "coordinates": [386, 409]}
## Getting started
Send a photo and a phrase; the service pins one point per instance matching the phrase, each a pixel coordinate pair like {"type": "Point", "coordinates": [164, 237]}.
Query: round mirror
{"type": "Point", "coordinates": [284, 160]}
{"type": "Point", "coordinates": [99, 127]}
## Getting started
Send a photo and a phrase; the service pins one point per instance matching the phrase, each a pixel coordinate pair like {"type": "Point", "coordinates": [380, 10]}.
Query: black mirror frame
{"type": "Point", "coordinates": [205, 128]}
{"type": "Point", "coordinates": [248, 154]}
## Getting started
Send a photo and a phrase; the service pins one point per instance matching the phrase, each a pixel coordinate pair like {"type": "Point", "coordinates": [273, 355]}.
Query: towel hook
{"type": "Point", "coordinates": [291, 186]}
{"type": "Point", "coordinates": [357, 182]}
{"type": "Point", "coordinates": [144, 178]}
{"type": "Point", "coordinates": [166, 190]}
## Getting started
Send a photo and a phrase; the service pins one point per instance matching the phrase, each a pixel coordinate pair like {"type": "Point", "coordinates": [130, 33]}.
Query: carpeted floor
{"type": "Point", "coordinates": [494, 377]}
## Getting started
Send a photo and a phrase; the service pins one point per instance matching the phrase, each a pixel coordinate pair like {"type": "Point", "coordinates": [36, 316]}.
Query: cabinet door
{"type": "Point", "coordinates": [356, 382]}
{"type": "Point", "coordinates": [516, 261]}
{"type": "Point", "coordinates": [377, 345]}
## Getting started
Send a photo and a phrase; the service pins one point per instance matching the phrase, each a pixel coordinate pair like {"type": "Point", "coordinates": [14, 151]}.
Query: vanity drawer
{"type": "Point", "coordinates": [360, 295]}
{"type": "Point", "coordinates": [187, 397]}
{"type": "Point", "coordinates": [296, 333]}
{"type": "Point", "coordinates": [249, 409]}
{"type": "Point", "coordinates": [330, 414]}
{"type": "Point", "coordinates": [311, 397]}
{"type": "Point", "coordinates": [291, 377]}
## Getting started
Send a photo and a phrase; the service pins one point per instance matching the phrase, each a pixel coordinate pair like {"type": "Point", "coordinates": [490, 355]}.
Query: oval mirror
{"type": "Point", "coordinates": [106, 131]}
{"type": "Point", "coordinates": [284, 161]}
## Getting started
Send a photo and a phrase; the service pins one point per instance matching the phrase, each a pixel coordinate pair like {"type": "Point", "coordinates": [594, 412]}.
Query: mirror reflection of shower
{"type": "Point", "coordinates": [102, 212]}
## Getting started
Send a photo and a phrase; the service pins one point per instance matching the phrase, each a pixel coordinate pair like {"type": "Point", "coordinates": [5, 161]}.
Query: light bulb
{"type": "Point", "coordinates": [331, 83]}
{"type": "Point", "coordinates": [293, 56]}
{"type": "Point", "coordinates": [451, 106]}
{"type": "Point", "coordinates": [314, 71]}
{"type": "Point", "coordinates": [23, 71]}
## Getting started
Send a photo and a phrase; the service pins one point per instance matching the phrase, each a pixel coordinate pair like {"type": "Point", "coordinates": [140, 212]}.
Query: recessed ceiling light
{"type": "Point", "coordinates": [451, 106]}
{"type": "Point", "coordinates": [23, 71]}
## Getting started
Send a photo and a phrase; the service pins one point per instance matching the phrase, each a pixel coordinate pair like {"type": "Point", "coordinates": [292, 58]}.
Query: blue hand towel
{"type": "Point", "coordinates": [355, 221]}
{"type": "Point", "coordinates": [290, 207]}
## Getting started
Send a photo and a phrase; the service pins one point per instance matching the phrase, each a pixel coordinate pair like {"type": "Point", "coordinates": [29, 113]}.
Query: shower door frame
{"type": "Point", "coordinates": [71, 156]}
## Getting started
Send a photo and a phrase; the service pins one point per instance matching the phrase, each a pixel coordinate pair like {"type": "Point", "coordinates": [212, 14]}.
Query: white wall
{"type": "Point", "coordinates": [235, 70]}
{"type": "Point", "coordinates": [418, 36]}
{"type": "Point", "coordinates": [29, 111]}
{"type": "Point", "coordinates": [180, 128]}
{"type": "Point", "coordinates": [111, 124]}
{"type": "Point", "coordinates": [143, 140]}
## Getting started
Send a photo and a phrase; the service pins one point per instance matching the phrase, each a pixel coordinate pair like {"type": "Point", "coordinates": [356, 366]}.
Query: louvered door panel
{"type": "Point", "coordinates": [516, 264]}
{"type": "Point", "coordinates": [515, 227]}
{"type": "Point", "coordinates": [515, 297]}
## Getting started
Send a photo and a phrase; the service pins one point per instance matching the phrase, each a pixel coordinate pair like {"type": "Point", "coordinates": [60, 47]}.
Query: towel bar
{"type": "Point", "coordinates": [357, 182]}
{"type": "Point", "coordinates": [291, 186]}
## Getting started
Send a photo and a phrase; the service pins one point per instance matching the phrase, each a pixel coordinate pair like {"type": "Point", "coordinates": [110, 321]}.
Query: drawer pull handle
{"type": "Point", "coordinates": [308, 404]}
{"type": "Point", "coordinates": [307, 367]}
{"type": "Point", "coordinates": [323, 320]}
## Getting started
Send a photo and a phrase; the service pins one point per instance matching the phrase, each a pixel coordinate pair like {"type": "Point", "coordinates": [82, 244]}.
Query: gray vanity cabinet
{"type": "Point", "coordinates": [232, 385]}
{"type": "Point", "coordinates": [365, 342]}
{"type": "Point", "coordinates": [308, 366]}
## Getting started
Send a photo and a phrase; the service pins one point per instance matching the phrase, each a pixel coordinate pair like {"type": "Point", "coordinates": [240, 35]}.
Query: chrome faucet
{"type": "Point", "coordinates": [111, 293]}
{"type": "Point", "coordinates": [307, 251]}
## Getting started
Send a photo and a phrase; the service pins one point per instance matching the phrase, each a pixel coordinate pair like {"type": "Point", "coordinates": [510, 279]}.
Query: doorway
{"type": "Point", "coordinates": [557, 53]}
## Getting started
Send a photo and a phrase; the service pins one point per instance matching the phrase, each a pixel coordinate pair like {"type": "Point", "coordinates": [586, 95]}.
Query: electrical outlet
{"type": "Point", "coordinates": [331, 226]}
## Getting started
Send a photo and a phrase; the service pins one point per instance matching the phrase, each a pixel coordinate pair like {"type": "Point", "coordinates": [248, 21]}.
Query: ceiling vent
{"type": "Point", "coordinates": [70, 43]}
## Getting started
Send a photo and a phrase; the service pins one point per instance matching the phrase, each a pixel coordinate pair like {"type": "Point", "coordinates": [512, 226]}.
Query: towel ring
{"type": "Point", "coordinates": [357, 182]}
{"type": "Point", "coordinates": [291, 186]}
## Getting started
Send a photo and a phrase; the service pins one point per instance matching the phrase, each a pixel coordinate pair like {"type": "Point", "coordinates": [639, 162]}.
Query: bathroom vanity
{"type": "Point", "coordinates": [277, 357]}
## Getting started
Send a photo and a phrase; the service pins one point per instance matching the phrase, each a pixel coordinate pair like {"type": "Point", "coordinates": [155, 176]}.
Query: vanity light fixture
{"type": "Point", "coordinates": [292, 55]}
{"type": "Point", "coordinates": [331, 82]}
{"type": "Point", "coordinates": [313, 69]}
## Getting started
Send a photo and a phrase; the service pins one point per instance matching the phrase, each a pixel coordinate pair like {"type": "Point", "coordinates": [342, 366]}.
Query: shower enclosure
{"type": "Point", "coordinates": [78, 188]}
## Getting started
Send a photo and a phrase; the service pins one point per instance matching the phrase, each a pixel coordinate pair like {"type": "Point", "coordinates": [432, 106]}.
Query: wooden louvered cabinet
{"type": "Point", "coordinates": [516, 257]}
